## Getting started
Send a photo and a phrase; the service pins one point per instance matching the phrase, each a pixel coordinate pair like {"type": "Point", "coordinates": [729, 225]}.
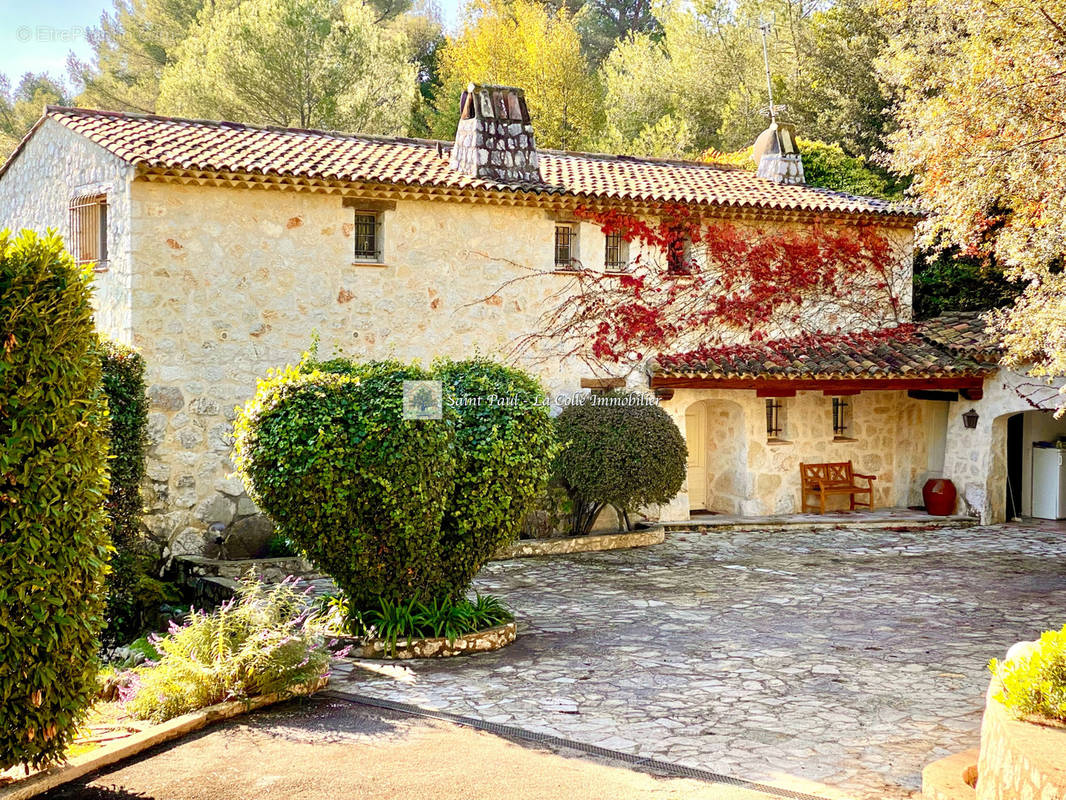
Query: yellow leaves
{"type": "Point", "coordinates": [524, 44]}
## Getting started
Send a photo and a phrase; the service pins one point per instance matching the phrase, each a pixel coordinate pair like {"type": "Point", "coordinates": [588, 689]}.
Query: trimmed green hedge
{"type": "Point", "coordinates": [133, 592]}
{"type": "Point", "coordinates": [127, 401]}
{"type": "Point", "coordinates": [394, 509]}
{"type": "Point", "coordinates": [619, 450]}
{"type": "Point", "coordinates": [53, 483]}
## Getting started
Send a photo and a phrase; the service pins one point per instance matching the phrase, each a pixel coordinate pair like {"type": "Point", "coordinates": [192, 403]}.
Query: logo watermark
{"type": "Point", "coordinates": [423, 400]}
{"type": "Point", "coordinates": [49, 33]}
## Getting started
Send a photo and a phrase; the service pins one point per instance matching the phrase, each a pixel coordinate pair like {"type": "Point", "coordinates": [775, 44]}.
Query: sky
{"type": "Point", "coordinates": [36, 35]}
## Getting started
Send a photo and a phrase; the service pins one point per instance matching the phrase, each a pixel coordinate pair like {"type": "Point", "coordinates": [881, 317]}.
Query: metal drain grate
{"type": "Point", "coordinates": [533, 736]}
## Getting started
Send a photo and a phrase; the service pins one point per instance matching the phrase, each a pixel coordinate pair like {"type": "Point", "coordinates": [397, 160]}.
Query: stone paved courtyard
{"type": "Point", "coordinates": [846, 657]}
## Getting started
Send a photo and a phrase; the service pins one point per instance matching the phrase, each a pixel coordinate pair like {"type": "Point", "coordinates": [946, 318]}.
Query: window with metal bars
{"type": "Point", "coordinates": [775, 426]}
{"type": "Point", "coordinates": [679, 257]}
{"type": "Point", "coordinates": [88, 231]}
{"type": "Point", "coordinates": [367, 236]}
{"type": "Point", "coordinates": [616, 252]}
{"type": "Point", "coordinates": [841, 417]}
{"type": "Point", "coordinates": [566, 247]}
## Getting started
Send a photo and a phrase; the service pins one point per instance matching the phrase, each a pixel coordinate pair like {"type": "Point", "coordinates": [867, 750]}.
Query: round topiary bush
{"type": "Point", "coordinates": [359, 489]}
{"type": "Point", "coordinates": [504, 445]}
{"type": "Point", "coordinates": [619, 449]}
{"type": "Point", "coordinates": [53, 482]}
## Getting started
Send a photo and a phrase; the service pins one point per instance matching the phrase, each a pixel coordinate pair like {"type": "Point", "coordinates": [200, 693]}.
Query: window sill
{"type": "Point", "coordinates": [775, 442]}
{"type": "Point", "coordinates": [377, 264]}
{"type": "Point", "coordinates": [844, 439]}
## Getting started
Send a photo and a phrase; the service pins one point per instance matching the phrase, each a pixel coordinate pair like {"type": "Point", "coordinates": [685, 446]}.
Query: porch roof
{"type": "Point", "coordinates": [951, 352]}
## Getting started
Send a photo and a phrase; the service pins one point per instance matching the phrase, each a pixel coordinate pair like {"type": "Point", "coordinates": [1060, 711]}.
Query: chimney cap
{"type": "Point", "coordinates": [777, 140]}
{"type": "Point", "coordinates": [492, 101]}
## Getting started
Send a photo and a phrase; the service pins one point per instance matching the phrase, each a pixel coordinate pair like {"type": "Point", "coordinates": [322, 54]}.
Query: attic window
{"type": "Point", "coordinates": [566, 246]}
{"type": "Point", "coordinates": [88, 231]}
{"type": "Point", "coordinates": [616, 252]}
{"type": "Point", "coordinates": [679, 257]}
{"type": "Point", "coordinates": [367, 236]}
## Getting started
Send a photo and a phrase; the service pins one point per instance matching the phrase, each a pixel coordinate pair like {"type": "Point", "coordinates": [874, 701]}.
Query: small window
{"type": "Point", "coordinates": [679, 257]}
{"type": "Point", "coordinates": [88, 231]}
{"type": "Point", "coordinates": [616, 252]}
{"type": "Point", "coordinates": [367, 235]}
{"type": "Point", "coordinates": [841, 418]}
{"type": "Point", "coordinates": [775, 419]}
{"type": "Point", "coordinates": [566, 247]}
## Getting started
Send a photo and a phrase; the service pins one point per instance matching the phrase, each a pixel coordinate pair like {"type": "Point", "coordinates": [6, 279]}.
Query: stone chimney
{"type": "Point", "coordinates": [494, 139]}
{"type": "Point", "coordinates": [777, 155]}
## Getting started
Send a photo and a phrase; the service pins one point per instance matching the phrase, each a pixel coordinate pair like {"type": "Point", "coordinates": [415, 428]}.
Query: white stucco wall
{"type": "Point", "coordinates": [55, 166]}
{"type": "Point", "coordinates": [976, 459]}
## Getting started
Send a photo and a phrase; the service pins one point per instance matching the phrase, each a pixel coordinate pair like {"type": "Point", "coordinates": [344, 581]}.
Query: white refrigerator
{"type": "Point", "coordinates": [1049, 483]}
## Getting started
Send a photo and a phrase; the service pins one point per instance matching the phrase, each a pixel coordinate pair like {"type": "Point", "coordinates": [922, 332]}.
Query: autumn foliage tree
{"type": "Point", "coordinates": [526, 44]}
{"type": "Point", "coordinates": [982, 116]}
{"type": "Point", "coordinates": [689, 284]}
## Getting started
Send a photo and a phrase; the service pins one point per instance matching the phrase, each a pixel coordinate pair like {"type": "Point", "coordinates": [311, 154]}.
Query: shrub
{"type": "Point", "coordinates": [123, 381]}
{"type": "Point", "coordinates": [549, 515]}
{"type": "Point", "coordinates": [504, 443]}
{"type": "Point", "coordinates": [267, 640]}
{"type": "Point", "coordinates": [133, 592]}
{"type": "Point", "coordinates": [443, 617]}
{"type": "Point", "coordinates": [53, 481]}
{"type": "Point", "coordinates": [619, 449]}
{"type": "Point", "coordinates": [355, 486]}
{"type": "Point", "coordinates": [1035, 683]}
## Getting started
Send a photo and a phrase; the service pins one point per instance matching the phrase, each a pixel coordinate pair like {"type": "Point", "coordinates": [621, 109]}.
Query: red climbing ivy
{"type": "Point", "coordinates": [691, 284]}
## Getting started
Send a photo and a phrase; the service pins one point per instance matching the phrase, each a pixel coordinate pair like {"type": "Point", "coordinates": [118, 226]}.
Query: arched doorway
{"type": "Point", "coordinates": [718, 478]}
{"type": "Point", "coordinates": [1025, 465]}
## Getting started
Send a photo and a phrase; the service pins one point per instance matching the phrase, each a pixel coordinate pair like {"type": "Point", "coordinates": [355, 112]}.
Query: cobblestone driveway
{"type": "Point", "coordinates": [848, 657]}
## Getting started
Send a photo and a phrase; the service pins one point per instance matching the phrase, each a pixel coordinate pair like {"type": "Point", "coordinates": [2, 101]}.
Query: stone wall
{"type": "Point", "coordinates": [888, 437]}
{"type": "Point", "coordinates": [232, 282]}
{"type": "Point", "coordinates": [976, 459]}
{"type": "Point", "coordinates": [55, 166]}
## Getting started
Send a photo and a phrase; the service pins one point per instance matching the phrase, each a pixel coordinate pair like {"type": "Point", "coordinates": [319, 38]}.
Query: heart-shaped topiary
{"type": "Point", "coordinates": [325, 451]}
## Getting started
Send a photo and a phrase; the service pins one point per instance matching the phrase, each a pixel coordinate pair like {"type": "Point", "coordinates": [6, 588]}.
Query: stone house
{"type": "Point", "coordinates": [219, 248]}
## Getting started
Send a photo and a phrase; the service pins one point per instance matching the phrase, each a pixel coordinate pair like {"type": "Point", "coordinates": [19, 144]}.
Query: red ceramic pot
{"type": "Point", "coordinates": [939, 495]}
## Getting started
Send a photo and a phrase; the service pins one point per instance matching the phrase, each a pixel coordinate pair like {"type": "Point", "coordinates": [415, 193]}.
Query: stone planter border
{"type": "Point", "coordinates": [468, 644]}
{"type": "Point", "coordinates": [593, 543]}
{"type": "Point", "coordinates": [1018, 758]}
{"type": "Point", "coordinates": [121, 749]}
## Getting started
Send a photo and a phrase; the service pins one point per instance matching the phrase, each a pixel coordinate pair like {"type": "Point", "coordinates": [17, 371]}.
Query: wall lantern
{"type": "Point", "coordinates": [969, 419]}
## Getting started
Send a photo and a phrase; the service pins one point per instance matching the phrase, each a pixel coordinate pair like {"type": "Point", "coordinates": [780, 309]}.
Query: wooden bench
{"type": "Point", "coordinates": [834, 478]}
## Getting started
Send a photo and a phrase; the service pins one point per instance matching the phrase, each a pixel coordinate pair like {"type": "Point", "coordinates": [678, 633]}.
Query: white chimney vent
{"type": "Point", "coordinates": [777, 156]}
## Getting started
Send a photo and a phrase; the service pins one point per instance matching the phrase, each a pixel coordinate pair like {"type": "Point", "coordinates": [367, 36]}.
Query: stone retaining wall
{"type": "Point", "coordinates": [477, 642]}
{"type": "Point", "coordinates": [524, 548]}
{"type": "Point", "coordinates": [270, 570]}
{"type": "Point", "coordinates": [1019, 759]}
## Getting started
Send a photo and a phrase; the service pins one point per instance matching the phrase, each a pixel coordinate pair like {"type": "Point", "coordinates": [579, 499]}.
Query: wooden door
{"type": "Point", "coordinates": [696, 437]}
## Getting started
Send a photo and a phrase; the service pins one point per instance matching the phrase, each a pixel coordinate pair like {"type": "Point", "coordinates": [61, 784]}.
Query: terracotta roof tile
{"type": "Point", "coordinates": [904, 351]}
{"type": "Point", "coordinates": [962, 332]}
{"type": "Point", "coordinates": [179, 144]}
